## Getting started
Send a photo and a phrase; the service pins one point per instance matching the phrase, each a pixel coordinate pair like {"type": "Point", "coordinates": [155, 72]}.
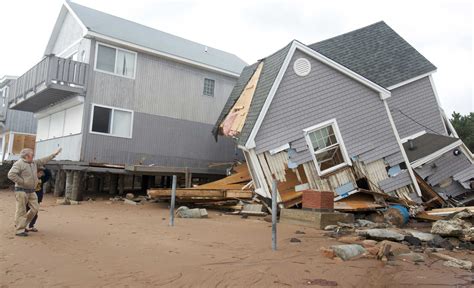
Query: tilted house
{"type": "Point", "coordinates": [17, 128]}
{"type": "Point", "coordinates": [335, 116]}
{"type": "Point", "coordinates": [113, 92]}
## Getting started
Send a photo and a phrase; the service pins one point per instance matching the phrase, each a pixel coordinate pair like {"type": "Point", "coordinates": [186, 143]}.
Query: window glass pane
{"type": "Point", "coordinates": [209, 87]}
{"type": "Point", "coordinates": [122, 125]}
{"type": "Point", "coordinates": [101, 119]}
{"type": "Point", "coordinates": [329, 158]}
{"type": "Point", "coordinates": [106, 58]}
{"type": "Point", "coordinates": [125, 63]}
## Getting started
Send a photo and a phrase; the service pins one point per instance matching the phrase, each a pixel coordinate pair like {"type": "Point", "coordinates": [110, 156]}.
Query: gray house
{"type": "Point", "coordinates": [17, 128]}
{"type": "Point", "coordinates": [116, 94]}
{"type": "Point", "coordinates": [355, 111]}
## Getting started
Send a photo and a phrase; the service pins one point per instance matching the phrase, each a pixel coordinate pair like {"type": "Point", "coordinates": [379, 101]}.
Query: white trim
{"type": "Point", "coordinates": [383, 93]}
{"type": "Point", "coordinates": [468, 153]}
{"type": "Point", "coordinates": [279, 149]}
{"type": "Point", "coordinates": [111, 121]}
{"type": "Point", "coordinates": [413, 136]}
{"type": "Point", "coordinates": [434, 155]}
{"type": "Point", "coordinates": [159, 53]}
{"type": "Point", "coordinates": [441, 111]}
{"type": "Point", "coordinates": [76, 100]}
{"type": "Point", "coordinates": [450, 125]}
{"type": "Point", "coordinates": [258, 170]}
{"type": "Point", "coordinates": [77, 42]}
{"type": "Point", "coordinates": [115, 63]}
{"type": "Point", "coordinates": [403, 83]}
{"type": "Point", "coordinates": [340, 142]}
{"type": "Point", "coordinates": [402, 150]}
{"type": "Point", "coordinates": [70, 10]}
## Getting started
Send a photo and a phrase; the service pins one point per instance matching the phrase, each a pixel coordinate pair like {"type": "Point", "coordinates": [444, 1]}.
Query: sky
{"type": "Point", "coordinates": [441, 30]}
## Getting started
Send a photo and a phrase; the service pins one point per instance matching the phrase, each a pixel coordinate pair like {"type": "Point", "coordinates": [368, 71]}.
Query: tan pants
{"type": "Point", "coordinates": [22, 218]}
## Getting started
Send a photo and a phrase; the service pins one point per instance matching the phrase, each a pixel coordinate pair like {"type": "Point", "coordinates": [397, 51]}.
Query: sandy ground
{"type": "Point", "coordinates": [99, 244]}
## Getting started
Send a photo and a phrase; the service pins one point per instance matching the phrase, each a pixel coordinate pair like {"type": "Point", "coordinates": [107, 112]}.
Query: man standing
{"type": "Point", "coordinates": [24, 174]}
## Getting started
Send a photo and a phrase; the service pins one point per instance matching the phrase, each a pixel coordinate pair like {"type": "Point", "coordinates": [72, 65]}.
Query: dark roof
{"type": "Point", "coordinates": [270, 69]}
{"type": "Point", "coordinates": [427, 144]}
{"type": "Point", "coordinates": [377, 53]}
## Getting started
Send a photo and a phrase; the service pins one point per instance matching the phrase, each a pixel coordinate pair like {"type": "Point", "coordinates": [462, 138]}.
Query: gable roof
{"type": "Point", "coordinates": [377, 53]}
{"type": "Point", "coordinates": [271, 66]}
{"type": "Point", "coordinates": [121, 29]}
{"type": "Point", "coordinates": [426, 145]}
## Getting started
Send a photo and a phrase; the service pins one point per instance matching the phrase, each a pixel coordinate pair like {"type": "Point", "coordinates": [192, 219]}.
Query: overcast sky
{"type": "Point", "coordinates": [440, 30]}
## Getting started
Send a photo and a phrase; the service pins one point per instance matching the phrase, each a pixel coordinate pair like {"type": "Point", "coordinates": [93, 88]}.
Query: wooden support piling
{"type": "Point", "coordinates": [121, 185]}
{"type": "Point", "coordinates": [59, 183]}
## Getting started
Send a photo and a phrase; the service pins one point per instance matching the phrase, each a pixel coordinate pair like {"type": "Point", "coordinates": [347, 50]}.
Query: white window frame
{"type": "Point", "coordinates": [337, 133]}
{"type": "Point", "coordinates": [111, 120]}
{"type": "Point", "coordinates": [4, 95]}
{"type": "Point", "coordinates": [115, 64]}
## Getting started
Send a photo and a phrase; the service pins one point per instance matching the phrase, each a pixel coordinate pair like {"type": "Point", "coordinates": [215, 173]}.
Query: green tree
{"type": "Point", "coordinates": [464, 125]}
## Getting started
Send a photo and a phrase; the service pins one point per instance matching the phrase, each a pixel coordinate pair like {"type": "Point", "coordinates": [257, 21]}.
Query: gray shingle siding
{"type": "Point", "coordinates": [301, 102]}
{"type": "Point", "coordinates": [418, 101]}
{"type": "Point", "coordinates": [394, 159]}
{"type": "Point", "coordinates": [391, 184]}
{"type": "Point", "coordinates": [465, 174]}
{"type": "Point", "coordinates": [377, 53]}
{"type": "Point", "coordinates": [454, 189]}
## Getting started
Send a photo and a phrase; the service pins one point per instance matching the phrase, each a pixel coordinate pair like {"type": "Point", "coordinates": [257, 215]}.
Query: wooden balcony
{"type": "Point", "coordinates": [50, 81]}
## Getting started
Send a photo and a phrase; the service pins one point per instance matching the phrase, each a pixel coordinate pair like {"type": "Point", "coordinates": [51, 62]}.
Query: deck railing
{"type": "Point", "coordinates": [50, 70]}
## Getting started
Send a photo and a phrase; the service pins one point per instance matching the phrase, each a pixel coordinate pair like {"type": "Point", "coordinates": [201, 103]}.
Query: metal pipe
{"type": "Point", "coordinates": [274, 215]}
{"type": "Point", "coordinates": [173, 199]}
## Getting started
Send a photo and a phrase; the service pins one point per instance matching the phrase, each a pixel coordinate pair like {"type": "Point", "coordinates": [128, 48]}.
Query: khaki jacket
{"type": "Point", "coordinates": [25, 174]}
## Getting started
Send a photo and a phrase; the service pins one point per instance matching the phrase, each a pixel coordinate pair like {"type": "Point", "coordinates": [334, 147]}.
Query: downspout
{"type": "Point", "coordinates": [397, 136]}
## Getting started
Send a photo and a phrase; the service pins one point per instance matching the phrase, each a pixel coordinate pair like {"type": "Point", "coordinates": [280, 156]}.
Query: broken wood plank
{"type": "Point", "coordinates": [447, 211]}
{"type": "Point", "coordinates": [202, 193]}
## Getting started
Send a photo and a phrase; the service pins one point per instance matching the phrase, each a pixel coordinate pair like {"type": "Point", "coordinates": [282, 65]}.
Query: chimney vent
{"type": "Point", "coordinates": [411, 144]}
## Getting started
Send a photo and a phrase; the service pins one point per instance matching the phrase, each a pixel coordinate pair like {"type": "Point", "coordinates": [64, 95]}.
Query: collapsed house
{"type": "Point", "coordinates": [355, 112]}
{"type": "Point", "coordinates": [126, 102]}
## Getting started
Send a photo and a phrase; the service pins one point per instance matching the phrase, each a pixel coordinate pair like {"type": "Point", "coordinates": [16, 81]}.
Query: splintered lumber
{"type": "Point", "coordinates": [429, 195]}
{"type": "Point", "coordinates": [235, 120]}
{"type": "Point", "coordinates": [230, 187]}
{"type": "Point", "coordinates": [447, 211]}
{"type": "Point", "coordinates": [357, 202]}
{"type": "Point", "coordinates": [202, 193]}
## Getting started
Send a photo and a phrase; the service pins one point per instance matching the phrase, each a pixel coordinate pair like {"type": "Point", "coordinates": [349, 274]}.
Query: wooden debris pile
{"type": "Point", "coordinates": [228, 193]}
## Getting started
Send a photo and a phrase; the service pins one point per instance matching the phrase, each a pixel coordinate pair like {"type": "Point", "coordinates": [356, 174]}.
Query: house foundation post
{"type": "Point", "coordinates": [59, 183]}
{"type": "Point", "coordinates": [69, 182]}
{"type": "Point", "coordinates": [121, 185]}
{"type": "Point", "coordinates": [77, 186]}
{"type": "Point", "coordinates": [113, 182]}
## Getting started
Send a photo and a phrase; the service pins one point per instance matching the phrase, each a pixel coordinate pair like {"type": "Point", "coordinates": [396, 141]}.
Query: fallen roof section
{"type": "Point", "coordinates": [428, 144]}
{"type": "Point", "coordinates": [377, 53]}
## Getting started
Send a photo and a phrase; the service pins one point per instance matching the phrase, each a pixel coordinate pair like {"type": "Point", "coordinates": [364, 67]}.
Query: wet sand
{"type": "Point", "coordinates": [111, 244]}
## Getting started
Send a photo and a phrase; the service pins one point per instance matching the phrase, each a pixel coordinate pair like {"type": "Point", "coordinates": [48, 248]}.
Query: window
{"type": "Point", "coordinates": [325, 141]}
{"type": "Point", "coordinates": [209, 87]}
{"type": "Point", "coordinates": [116, 61]}
{"type": "Point", "coordinates": [111, 121]}
{"type": "Point", "coordinates": [4, 94]}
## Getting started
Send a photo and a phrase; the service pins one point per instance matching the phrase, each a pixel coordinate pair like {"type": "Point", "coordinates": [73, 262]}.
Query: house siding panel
{"type": "Point", "coordinates": [162, 141]}
{"type": "Point", "coordinates": [418, 101]}
{"type": "Point", "coordinates": [393, 183]}
{"type": "Point", "coordinates": [70, 32]}
{"type": "Point", "coordinates": [301, 102]}
{"type": "Point", "coordinates": [20, 121]}
{"type": "Point", "coordinates": [165, 88]}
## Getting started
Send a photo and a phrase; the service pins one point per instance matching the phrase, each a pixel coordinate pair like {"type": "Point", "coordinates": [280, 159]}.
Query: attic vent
{"type": "Point", "coordinates": [302, 67]}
